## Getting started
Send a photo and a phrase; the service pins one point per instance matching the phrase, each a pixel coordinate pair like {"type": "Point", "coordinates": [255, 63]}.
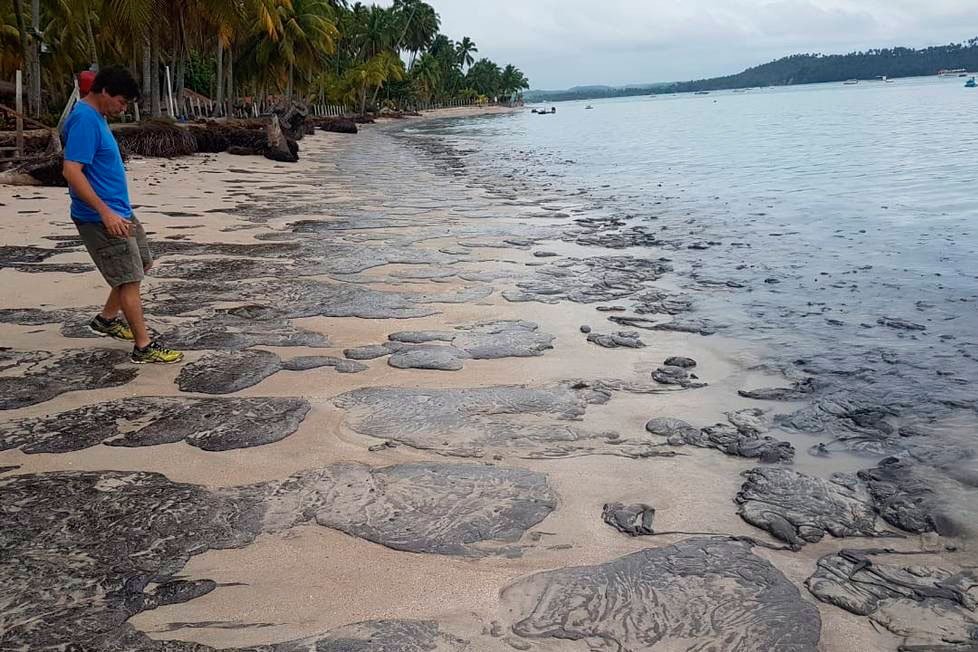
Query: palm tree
{"type": "Point", "coordinates": [485, 77]}
{"type": "Point", "coordinates": [385, 66]}
{"type": "Point", "coordinates": [334, 48]}
{"type": "Point", "coordinates": [308, 33]}
{"type": "Point", "coordinates": [465, 49]}
{"type": "Point", "coordinates": [419, 24]}
{"type": "Point", "coordinates": [512, 81]}
{"type": "Point", "coordinates": [426, 74]}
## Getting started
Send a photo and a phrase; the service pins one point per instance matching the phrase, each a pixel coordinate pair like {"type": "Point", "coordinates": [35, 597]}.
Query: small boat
{"type": "Point", "coordinates": [957, 72]}
{"type": "Point", "coordinates": [971, 83]}
{"type": "Point", "coordinates": [850, 82]}
{"type": "Point", "coordinates": [702, 92]}
{"type": "Point", "coordinates": [589, 107]}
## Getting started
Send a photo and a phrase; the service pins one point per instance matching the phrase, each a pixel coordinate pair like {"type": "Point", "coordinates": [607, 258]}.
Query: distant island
{"type": "Point", "coordinates": [797, 69]}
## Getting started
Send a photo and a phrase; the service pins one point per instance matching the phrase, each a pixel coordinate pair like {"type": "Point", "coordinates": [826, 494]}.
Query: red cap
{"type": "Point", "coordinates": [85, 80]}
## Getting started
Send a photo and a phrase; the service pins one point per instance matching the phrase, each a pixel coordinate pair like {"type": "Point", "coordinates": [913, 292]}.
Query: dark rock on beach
{"type": "Point", "coordinates": [617, 340]}
{"type": "Point", "coordinates": [694, 326]}
{"type": "Point", "coordinates": [234, 329]}
{"type": "Point", "coordinates": [800, 509]}
{"type": "Point", "coordinates": [702, 590]}
{"type": "Point", "coordinates": [675, 375]}
{"type": "Point", "coordinates": [856, 424]}
{"type": "Point", "coordinates": [906, 497]}
{"type": "Point", "coordinates": [46, 375]}
{"type": "Point", "coordinates": [11, 255]}
{"type": "Point", "coordinates": [379, 636]}
{"type": "Point", "coordinates": [231, 371]}
{"type": "Point", "coordinates": [118, 532]}
{"type": "Point", "coordinates": [676, 431]}
{"type": "Point", "coordinates": [588, 280]}
{"type": "Point", "coordinates": [530, 422]}
{"type": "Point", "coordinates": [633, 520]}
{"type": "Point", "coordinates": [798, 391]}
{"type": "Point", "coordinates": [930, 608]}
{"type": "Point", "coordinates": [305, 298]}
{"type": "Point", "coordinates": [446, 350]}
{"type": "Point", "coordinates": [740, 438]}
{"type": "Point", "coordinates": [208, 424]}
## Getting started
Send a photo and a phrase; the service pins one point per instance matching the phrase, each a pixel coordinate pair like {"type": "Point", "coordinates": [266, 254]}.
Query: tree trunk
{"type": "Point", "coordinates": [25, 50]}
{"type": "Point", "coordinates": [35, 83]}
{"type": "Point", "coordinates": [154, 71]}
{"type": "Point", "coordinates": [92, 47]}
{"type": "Point", "coordinates": [181, 67]}
{"type": "Point", "coordinates": [36, 62]}
{"type": "Point", "coordinates": [231, 79]}
{"type": "Point", "coordinates": [219, 94]}
{"type": "Point", "coordinates": [180, 74]}
{"type": "Point", "coordinates": [147, 74]}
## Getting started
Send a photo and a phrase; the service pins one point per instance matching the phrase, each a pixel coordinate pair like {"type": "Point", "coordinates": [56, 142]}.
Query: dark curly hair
{"type": "Point", "coordinates": [116, 80]}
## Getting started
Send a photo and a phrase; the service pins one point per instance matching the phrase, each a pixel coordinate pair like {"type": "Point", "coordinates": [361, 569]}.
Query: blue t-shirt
{"type": "Point", "coordinates": [89, 141]}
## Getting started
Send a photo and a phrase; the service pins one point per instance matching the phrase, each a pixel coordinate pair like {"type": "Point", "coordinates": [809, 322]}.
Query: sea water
{"type": "Point", "coordinates": [836, 225]}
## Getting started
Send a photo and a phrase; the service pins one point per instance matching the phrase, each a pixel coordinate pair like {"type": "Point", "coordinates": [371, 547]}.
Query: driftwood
{"type": "Point", "coordinates": [292, 121]}
{"type": "Point", "coordinates": [41, 171]}
{"type": "Point", "coordinates": [279, 147]}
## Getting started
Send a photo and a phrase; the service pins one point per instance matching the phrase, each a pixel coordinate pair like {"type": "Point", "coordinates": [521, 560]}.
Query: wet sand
{"type": "Point", "coordinates": [292, 579]}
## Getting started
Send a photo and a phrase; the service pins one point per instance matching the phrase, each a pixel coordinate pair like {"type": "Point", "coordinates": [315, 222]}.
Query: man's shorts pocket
{"type": "Point", "coordinates": [119, 261]}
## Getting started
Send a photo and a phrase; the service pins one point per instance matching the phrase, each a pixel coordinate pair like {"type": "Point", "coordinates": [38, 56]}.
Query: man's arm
{"type": "Point", "coordinates": [114, 224]}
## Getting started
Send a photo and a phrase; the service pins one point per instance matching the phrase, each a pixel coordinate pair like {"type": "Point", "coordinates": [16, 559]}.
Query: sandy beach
{"type": "Point", "coordinates": [389, 428]}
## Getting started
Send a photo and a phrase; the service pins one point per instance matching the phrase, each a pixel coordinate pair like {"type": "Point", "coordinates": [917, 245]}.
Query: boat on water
{"type": "Point", "coordinates": [588, 107]}
{"type": "Point", "coordinates": [971, 83]}
{"type": "Point", "coordinates": [702, 92]}
{"type": "Point", "coordinates": [850, 82]}
{"type": "Point", "coordinates": [957, 72]}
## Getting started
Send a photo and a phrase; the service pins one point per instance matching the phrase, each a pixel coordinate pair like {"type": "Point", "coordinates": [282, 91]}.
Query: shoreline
{"type": "Point", "coordinates": [407, 238]}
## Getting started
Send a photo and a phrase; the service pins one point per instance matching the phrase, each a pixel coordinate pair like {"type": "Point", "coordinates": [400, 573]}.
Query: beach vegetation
{"type": "Point", "coordinates": [238, 51]}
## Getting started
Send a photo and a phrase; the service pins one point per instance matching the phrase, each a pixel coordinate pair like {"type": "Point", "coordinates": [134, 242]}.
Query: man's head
{"type": "Point", "coordinates": [112, 91]}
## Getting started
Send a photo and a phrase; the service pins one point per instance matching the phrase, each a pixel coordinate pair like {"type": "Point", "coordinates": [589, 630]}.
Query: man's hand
{"type": "Point", "coordinates": [148, 266]}
{"type": "Point", "coordinates": [115, 225]}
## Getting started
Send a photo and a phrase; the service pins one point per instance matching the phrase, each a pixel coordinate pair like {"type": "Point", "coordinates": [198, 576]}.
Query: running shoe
{"type": "Point", "coordinates": [155, 352]}
{"type": "Point", "coordinates": [115, 328]}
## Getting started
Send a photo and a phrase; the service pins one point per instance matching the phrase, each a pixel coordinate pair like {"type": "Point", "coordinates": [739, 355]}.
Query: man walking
{"type": "Point", "coordinates": [101, 210]}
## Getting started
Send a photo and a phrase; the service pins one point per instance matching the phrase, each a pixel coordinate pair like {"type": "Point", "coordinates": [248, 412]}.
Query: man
{"type": "Point", "coordinates": [101, 210]}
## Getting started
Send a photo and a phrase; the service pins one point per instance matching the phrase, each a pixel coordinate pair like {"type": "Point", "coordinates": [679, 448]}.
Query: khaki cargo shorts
{"type": "Point", "coordinates": [121, 260]}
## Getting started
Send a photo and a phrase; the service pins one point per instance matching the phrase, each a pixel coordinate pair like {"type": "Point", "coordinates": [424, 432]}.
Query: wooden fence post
{"type": "Point", "coordinates": [19, 105]}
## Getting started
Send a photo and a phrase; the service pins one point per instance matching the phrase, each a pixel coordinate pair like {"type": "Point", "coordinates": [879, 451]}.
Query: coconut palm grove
{"type": "Point", "coordinates": [365, 57]}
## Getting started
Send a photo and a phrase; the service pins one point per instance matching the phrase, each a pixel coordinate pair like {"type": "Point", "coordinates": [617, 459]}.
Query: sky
{"type": "Point", "coordinates": [563, 43]}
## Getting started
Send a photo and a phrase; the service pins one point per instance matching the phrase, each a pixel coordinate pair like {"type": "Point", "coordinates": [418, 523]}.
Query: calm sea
{"type": "Point", "coordinates": [838, 225]}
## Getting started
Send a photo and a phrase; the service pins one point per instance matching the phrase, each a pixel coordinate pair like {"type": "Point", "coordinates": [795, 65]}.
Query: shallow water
{"type": "Point", "coordinates": [835, 225]}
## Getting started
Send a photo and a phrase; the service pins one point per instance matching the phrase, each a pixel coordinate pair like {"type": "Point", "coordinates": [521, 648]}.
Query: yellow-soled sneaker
{"type": "Point", "coordinates": [155, 353]}
{"type": "Point", "coordinates": [116, 328]}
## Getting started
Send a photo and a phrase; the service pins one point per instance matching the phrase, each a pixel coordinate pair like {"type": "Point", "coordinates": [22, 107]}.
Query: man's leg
{"type": "Point", "coordinates": [132, 308]}
{"type": "Point", "coordinates": [112, 306]}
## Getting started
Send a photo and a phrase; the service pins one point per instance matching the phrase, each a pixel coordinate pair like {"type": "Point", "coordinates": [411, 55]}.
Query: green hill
{"type": "Point", "coordinates": [802, 69]}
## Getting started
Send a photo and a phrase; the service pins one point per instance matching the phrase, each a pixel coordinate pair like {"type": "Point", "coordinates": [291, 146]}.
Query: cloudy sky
{"type": "Point", "coordinates": [563, 43]}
